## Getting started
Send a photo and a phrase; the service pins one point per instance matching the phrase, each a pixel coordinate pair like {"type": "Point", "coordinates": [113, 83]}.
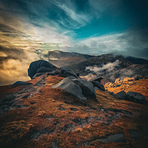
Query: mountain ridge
{"type": "Point", "coordinates": [129, 66]}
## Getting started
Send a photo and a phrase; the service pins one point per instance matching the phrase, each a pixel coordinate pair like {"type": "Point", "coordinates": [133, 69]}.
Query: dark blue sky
{"type": "Point", "coordinates": [85, 26]}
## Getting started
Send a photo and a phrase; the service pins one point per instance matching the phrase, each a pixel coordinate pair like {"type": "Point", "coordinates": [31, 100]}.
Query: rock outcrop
{"type": "Point", "coordinates": [69, 86]}
{"type": "Point", "coordinates": [136, 97]}
{"type": "Point", "coordinates": [66, 73]}
{"type": "Point", "coordinates": [18, 83]}
{"type": "Point", "coordinates": [82, 89]}
{"type": "Point", "coordinates": [113, 138]}
{"type": "Point", "coordinates": [87, 88]}
{"type": "Point", "coordinates": [121, 95]}
{"type": "Point", "coordinates": [98, 85]}
{"type": "Point", "coordinates": [127, 79]}
{"type": "Point", "coordinates": [131, 96]}
{"type": "Point", "coordinates": [98, 79]}
{"type": "Point", "coordinates": [40, 66]}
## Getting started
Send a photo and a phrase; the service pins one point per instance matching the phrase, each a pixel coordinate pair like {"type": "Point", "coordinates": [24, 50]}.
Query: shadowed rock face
{"type": "Point", "coordinates": [40, 66]}
{"type": "Point", "coordinates": [87, 88]}
{"type": "Point", "coordinates": [113, 138]}
{"type": "Point", "coordinates": [98, 85]}
{"type": "Point", "coordinates": [131, 96]}
{"type": "Point", "coordinates": [72, 83]}
{"type": "Point", "coordinates": [136, 97]}
{"type": "Point", "coordinates": [68, 85]}
{"type": "Point", "coordinates": [121, 95]}
{"type": "Point", "coordinates": [18, 83]}
{"type": "Point", "coordinates": [66, 73]}
{"type": "Point", "coordinates": [80, 88]}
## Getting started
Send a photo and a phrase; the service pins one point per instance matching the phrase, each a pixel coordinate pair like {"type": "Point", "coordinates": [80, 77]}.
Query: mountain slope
{"type": "Point", "coordinates": [38, 116]}
{"type": "Point", "coordinates": [99, 60]}
{"type": "Point", "coordinates": [137, 60]}
{"type": "Point", "coordinates": [100, 65]}
{"type": "Point", "coordinates": [110, 67]}
{"type": "Point", "coordinates": [62, 59]}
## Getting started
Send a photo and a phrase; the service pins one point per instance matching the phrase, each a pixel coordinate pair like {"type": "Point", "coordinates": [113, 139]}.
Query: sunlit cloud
{"type": "Point", "coordinates": [29, 29]}
{"type": "Point", "coordinates": [77, 19]}
{"type": "Point", "coordinates": [129, 43]}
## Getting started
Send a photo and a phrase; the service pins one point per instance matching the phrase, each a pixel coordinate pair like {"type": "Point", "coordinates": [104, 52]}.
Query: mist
{"type": "Point", "coordinates": [108, 67]}
{"type": "Point", "coordinates": [14, 64]}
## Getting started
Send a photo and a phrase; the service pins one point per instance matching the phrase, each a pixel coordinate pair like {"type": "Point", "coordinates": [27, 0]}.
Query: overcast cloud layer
{"type": "Point", "coordinates": [85, 26]}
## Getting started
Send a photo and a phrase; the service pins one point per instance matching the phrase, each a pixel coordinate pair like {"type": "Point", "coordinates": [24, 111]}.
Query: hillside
{"type": "Point", "coordinates": [137, 60]}
{"type": "Point", "coordinates": [38, 115]}
{"type": "Point", "coordinates": [63, 59]}
{"type": "Point", "coordinates": [110, 67]}
{"type": "Point", "coordinates": [99, 60]}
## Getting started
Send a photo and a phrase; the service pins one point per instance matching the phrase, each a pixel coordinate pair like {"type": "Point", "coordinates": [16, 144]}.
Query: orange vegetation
{"type": "Point", "coordinates": [140, 86]}
{"type": "Point", "coordinates": [54, 118]}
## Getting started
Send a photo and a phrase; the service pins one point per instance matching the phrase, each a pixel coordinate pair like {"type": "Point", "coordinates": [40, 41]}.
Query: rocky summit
{"type": "Point", "coordinates": [59, 109]}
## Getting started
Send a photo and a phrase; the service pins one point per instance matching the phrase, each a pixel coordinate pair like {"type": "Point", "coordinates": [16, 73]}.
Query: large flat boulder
{"type": "Point", "coordinates": [69, 86]}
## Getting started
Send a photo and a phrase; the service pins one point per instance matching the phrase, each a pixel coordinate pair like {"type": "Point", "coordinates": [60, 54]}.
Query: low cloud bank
{"type": "Point", "coordinates": [109, 71]}
{"type": "Point", "coordinates": [14, 64]}
{"type": "Point", "coordinates": [108, 67]}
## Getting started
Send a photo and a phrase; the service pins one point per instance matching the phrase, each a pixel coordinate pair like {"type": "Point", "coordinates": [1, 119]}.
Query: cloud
{"type": "Point", "coordinates": [136, 43]}
{"type": "Point", "coordinates": [109, 71]}
{"type": "Point", "coordinates": [101, 6]}
{"type": "Point", "coordinates": [13, 70]}
{"type": "Point", "coordinates": [39, 26]}
{"type": "Point", "coordinates": [22, 34]}
{"type": "Point", "coordinates": [77, 19]}
{"type": "Point", "coordinates": [89, 77]}
{"type": "Point", "coordinates": [99, 45]}
{"type": "Point", "coordinates": [13, 53]}
{"type": "Point", "coordinates": [107, 67]}
{"type": "Point", "coordinates": [19, 40]}
{"type": "Point", "coordinates": [129, 43]}
{"type": "Point", "coordinates": [14, 64]}
{"type": "Point", "coordinates": [126, 73]}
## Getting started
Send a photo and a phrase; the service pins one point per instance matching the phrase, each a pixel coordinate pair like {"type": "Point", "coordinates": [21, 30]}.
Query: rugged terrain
{"type": "Point", "coordinates": [64, 59]}
{"type": "Point", "coordinates": [57, 108]}
{"type": "Point", "coordinates": [109, 66]}
{"type": "Point", "coordinates": [37, 115]}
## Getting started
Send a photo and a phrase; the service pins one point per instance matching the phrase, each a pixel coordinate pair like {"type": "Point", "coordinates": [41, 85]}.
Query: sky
{"type": "Point", "coordinates": [85, 26]}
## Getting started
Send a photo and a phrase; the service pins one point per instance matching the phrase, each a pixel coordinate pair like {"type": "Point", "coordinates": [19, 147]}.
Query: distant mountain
{"type": "Point", "coordinates": [119, 62]}
{"type": "Point", "coordinates": [62, 55]}
{"type": "Point", "coordinates": [109, 66]}
{"type": "Point", "coordinates": [137, 60]}
{"type": "Point", "coordinates": [62, 59]}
